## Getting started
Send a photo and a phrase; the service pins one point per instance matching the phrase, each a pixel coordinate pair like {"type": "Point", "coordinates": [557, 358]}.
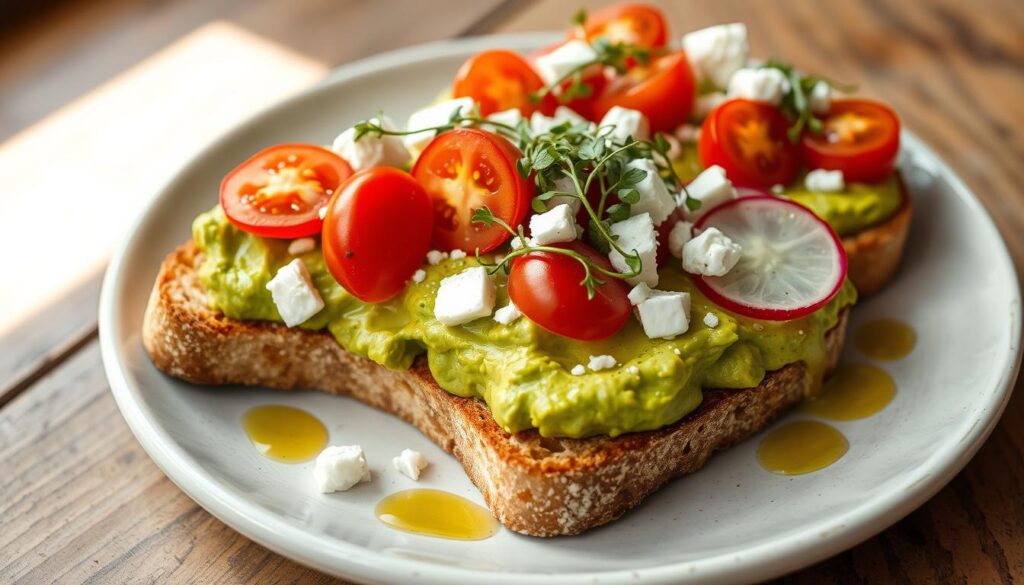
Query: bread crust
{"type": "Point", "coordinates": [534, 485]}
{"type": "Point", "coordinates": [874, 254]}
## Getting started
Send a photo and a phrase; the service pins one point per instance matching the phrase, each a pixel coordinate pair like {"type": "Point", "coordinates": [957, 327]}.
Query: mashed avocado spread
{"type": "Point", "coordinates": [859, 206]}
{"type": "Point", "coordinates": [521, 370]}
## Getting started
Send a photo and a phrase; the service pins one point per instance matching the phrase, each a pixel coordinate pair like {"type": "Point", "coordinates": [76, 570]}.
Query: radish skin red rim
{"type": "Point", "coordinates": [793, 263]}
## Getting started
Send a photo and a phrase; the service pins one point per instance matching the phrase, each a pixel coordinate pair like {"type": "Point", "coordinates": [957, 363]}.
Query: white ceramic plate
{"type": "Point", "coordinates": [731, 522]}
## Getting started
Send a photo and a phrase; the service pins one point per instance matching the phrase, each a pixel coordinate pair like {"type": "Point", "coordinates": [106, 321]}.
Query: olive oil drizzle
{"type": "Point", "coordinates": [436, 513]}
{"type": "Point", "coordinates": [284, 433]}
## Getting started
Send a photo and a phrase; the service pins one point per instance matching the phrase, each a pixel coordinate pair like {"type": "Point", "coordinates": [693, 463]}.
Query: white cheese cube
{"type": "Point", "coordinates": [517, 243]}
{"type": "Point", "coordinates": [825, 181]}
{"type": "Point", "coordinates": [712, 188]}
{"type": "Point", "coordinates": [637, 233]}
{"type": "Point", "coordinates": [655, 198]}
{"type": "Point", "coordinates": [711, 320]}
{"type": "Point", "coordinates": [765, 84]}
{"type": "Point", "coordinates": [601, 362]}
{"type": "Point", "coordinates": [565, 185]}
{"type": "Point", "coordinates": [410, 463]}
{"type": "Point", "coordinates": [707, 102]}
{"type": "Point", "coordinates": [464, 297]}
{"type": "Point", "coordinates": [665, 314]}
{"type": "Point", "coordinates": [338, 468]}
{"type": "Point", "coordinates": [681, 233]}
{"type": "Point", "coordinates": [711, 253]}
{"type": "Point", "coordinates": [578, 370]}
{"type": "Point", "coordinates": [554, 65]}
{"type": "Point", "coordinates": [541, 124]}
{"type": "Point", "coordinates": [301, 246]}
{"type": "Point", "coordinates": [508, 314]}
{"type": "Point", "coordinates": [624, 123]}
{"type": "Point", "coordinates": [552, 227]}
{"type": "Point", "coordinates": [372, 150]}
{"type": "Point", "coordinates": [294, 295]}
{"type": "Point", "coordinates": [820, 98]}
{"type": "Point", "coordinates": [639, 294]}
{"type": "Point", "coordinates": [717, 52]}
{"type": "Point", "coordinates": [510, 117]}
{"type": "Point", "coordinates": [431, 117]}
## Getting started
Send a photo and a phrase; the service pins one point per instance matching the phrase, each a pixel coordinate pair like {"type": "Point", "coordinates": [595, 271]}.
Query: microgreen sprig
{"type": "Point", "coordinates": [616, 55]}
{"type": "Point", "coordinates": [796, 102]}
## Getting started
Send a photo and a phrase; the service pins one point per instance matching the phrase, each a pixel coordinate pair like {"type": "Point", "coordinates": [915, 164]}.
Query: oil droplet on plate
{"type": "Point", "coordinates": [885, 339]}
{"type": "Point", "coordinates": [801, 447]}
{"type": "Point", "coordinates": [854, 391]}
{"type": "Point", "coordinates": [284, 433]}
{"type": "Point", "coordinates": [436, 513]}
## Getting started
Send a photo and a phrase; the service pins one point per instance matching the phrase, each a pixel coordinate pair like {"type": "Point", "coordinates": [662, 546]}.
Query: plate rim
{"type": "Point", "coordinates": [803, 547]}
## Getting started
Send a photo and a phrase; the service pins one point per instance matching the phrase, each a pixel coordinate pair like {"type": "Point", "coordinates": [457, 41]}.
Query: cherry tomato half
{"type": "Point", "coordinates": [466, 169]}
{"type": "Point", "coordinates": [664, 90]}
{"type": "Point", "coordinates": [749, 140]}
{"type": "Point", "coordinates": [593, 78]}
{"type": "Point", "coordinates": [279, 191]}
{"type": "Point", "coordinates": [546, 287]}
{"type": "Point", "coordinates": [500, 80]}
{"type": "Point", "coordinates": [376, 232]}
{"type": "Point", "coordinates": [860, 138]}
{"type": "Point", "coordinates": [642, 25]}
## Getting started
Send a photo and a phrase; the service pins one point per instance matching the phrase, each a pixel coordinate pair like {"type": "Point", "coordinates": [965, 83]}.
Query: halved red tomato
{"type": "Point", "coordinates": [642, 25]}
{"type": "Point", "coordinates": [664, 90]}
{"type": "Point", "coordinates": [860, 137]}
{"type": "Point", "coordinates": [593, 78]}
{"type": "Point", "coordinates": [376, 232]}
{"type": "Point", "coordinates": [500, 80]}
{"type": "Point", "coordinates": [466, 169]}
{"type": "Point", "coordinates": [279, 191]}
{"type": "Point", "coordinates": [546, 287]}
{"type": "Point", "coordinates": [749, 140]}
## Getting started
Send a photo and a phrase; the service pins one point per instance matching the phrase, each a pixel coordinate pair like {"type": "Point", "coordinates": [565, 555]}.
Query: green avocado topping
{"type": "Point", "coordinates": [522, 371]}
{"type": "Point", "coordinates": [859, 206]}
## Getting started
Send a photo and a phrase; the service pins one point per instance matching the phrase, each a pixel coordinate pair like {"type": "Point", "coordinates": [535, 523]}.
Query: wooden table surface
{"type": "Point", "coordinates": [79, 499]}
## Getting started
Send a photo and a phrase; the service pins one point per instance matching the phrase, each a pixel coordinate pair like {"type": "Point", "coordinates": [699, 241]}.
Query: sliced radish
{"type": "Point", "coordinates": [793, 263]}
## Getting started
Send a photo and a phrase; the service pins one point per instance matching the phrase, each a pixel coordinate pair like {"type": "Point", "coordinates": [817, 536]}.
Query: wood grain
{"type": "Point", "coordinates": [82, 502]}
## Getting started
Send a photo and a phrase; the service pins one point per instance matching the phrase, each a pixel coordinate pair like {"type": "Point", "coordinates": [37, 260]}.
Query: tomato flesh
{"type": "Point", "coordinates": [278, 192]}
{"type": "Point", "coordinates": [859, 137]}
{"type": "Point", "coordinates": [463, 170]}
{"type": "Point", "coordinates": [546, 287]}
{"type": "Point", "coordinates": [500, 80]}
{"type": "Point", "coordinates": [750, 141]}
{"type": "Point", "coordinates": [377, 232]}
{"type": "Point", "coordinates": [642, 25]}
{"type": "Point", "coordinates": [664, 90]}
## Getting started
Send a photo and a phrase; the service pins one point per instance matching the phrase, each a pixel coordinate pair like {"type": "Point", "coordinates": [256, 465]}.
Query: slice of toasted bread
{"type": "Point", "coordinates": [874, 253]}
{"type": "Point", "coordinates": [535, 485]}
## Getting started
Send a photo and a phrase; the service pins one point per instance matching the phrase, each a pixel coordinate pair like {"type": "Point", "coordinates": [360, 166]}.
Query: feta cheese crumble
{"type": "Point", "coordinates": [681, 233]}
{"type": "Point", "coordinates": [637, 234]}
{"type": "Point", "coordinates": [339, 467]}
{"type": "Point", "coordinates": [717, 52]}
{"type": "Point", "coordinates": [371, 150]}
{"type": "Point", "coordinates": [552, 66]}
{"type": "Point", "coordinates": [464, 297]}
{"type": "Point", "coordinates": [687, 133]}
{"type": "Point", "coordinates": [578, 370]}
{"type": "Point", "coordinates": [820, 98]}
{"type": "Point", "coordinates": [825, 181]}
{"type": "Point", "coordinates": [541, 124]}
{"type": "Point", "coordinates": [624, 123]}
{"type": "Point", "coordinates": [434, 257]}
{"type": "Point", "coordinates": [457, 254]}
{"type": "Point", "coordinates": [711, 253]}
{"type": "Point", "coordinates": [711, 320]}
{"type": "Point", "coordinates": [665, 314]}
{"type": "Point", "coordinates": [510, 117]}
{"type": "Point", "coordinates": [655, 198]}
{"type": "Point", "coordinates": [410, 463]}
{"type": "Point", "coordinates": [293, 293]}
{"type": "Point", "coordinates": [553, 226]}
{"type": "Point", "coordinates": [712, 188]}
{"type": "Point", "coordinates": [601, 362]}
{"type": "Point", "coordinates": [764, 84]}
{"type": "Point", "coordinates": [639, 294]}
{"type": "Point", "coordinates": [301, 246]}
{"type": "Point", "coordinates": [564, 185]}
{"type": "Point", "coordinates": [419, 275]}
{"type": "Point", "coordinates": [433, 116]}
{"type": "Point", "coordinates": [508, 314]}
